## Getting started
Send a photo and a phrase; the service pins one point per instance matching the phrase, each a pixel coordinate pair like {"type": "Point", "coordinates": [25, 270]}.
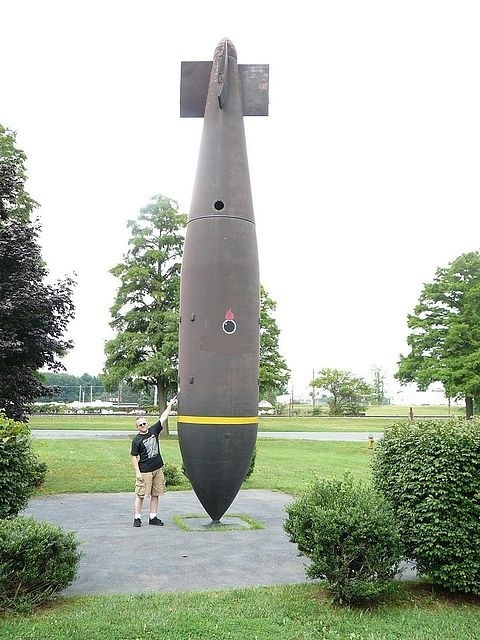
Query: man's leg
{"type": "Point", "coordinates": [138, 505]}
{"type": "Point", "coordinates": [153, 512]}
{"type": "Point", "coordinates": [137, 518]}
{"type": "Point", "coordinates": [153, 506]}
{"type": "Point", "coordinates": [158, 488]}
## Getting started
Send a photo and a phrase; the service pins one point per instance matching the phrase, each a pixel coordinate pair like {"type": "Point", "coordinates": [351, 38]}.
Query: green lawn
{"type": "Point", "coordinates": [323, 423]}
{"type": "Point", "coordinates": [103, 466]}
{"type": "Point", "coordinates": [93, 422]}
{"type": "Point", "coordinates": [298, 612]}
{"type": "Point", "coordinates": [122, 422]}
{"type": "Point", "coordinates": [418, 410]}
{"type": "Point", "coordinates": [376, 420]}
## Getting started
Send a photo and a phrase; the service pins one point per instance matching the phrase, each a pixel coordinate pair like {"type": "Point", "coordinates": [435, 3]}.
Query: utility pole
{"type": "Point", "coordinates": [313, 388]}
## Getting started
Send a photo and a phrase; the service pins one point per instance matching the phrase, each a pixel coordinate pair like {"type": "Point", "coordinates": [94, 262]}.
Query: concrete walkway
{"type": "Point", "coordinates": [122, 559]}
{"type": "Point", "coordinates": [348, 436]}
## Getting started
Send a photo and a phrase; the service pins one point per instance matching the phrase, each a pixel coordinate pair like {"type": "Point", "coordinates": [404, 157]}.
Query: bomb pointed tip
{"type": "Point", "coordinates": [223, 53]}
{"type": "Point", "coordinates": [226, 46]}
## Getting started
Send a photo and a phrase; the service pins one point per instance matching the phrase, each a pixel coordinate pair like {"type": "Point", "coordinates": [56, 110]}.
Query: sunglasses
{"type": "Point", "coordinates": [142, 424]}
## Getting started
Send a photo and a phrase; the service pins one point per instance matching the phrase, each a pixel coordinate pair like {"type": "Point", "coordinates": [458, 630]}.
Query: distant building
{"type": "Point", "coordinates": [435, 396]}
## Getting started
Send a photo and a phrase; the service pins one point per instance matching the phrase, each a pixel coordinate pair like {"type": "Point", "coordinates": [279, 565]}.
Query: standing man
{"type": "Point", "coordinates": [147, 463]}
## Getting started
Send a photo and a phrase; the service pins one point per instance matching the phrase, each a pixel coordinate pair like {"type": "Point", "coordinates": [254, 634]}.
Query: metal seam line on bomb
{"type": "Point", "coordinates": [219, 300]}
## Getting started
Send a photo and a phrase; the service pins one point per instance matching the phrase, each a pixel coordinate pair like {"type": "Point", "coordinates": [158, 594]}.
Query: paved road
{"type": "Point", "coordinates": [120, 558]}
{"type": "Point", "coordinates": [75, 434]}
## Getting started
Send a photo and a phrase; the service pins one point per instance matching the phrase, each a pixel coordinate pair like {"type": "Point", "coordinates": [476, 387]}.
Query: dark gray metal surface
{"type": "Point", "coordinates": [219, 300]}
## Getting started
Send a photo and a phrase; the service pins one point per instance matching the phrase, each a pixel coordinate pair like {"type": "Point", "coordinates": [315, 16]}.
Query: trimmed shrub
{"type": "Point", "coordinates": [20, 469]}
{"type": "Point", "coordinates": [37, 559]}
{"type": "Point", "coordinates": [39, 471]}
{"type": "Point", "coordinates": [251, 467]}
{"type": "Point", "coordinates": [430, 472]}
{"type": "Point", "coordinates": [172, 474]}
{"type": "Point", "coordinates": [49, 408]}
{"type": "Point", "coordinates": [349, 534]}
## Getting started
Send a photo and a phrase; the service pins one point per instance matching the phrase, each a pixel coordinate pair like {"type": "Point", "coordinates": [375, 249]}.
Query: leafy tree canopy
{"type": "Point", "coordinates": [14, 200]}
{"type": "Point", "coordinates": [348, 392]}
{"type": "Point", "coordinates": [274, 373]}
{"type": "Point", "coordinates": [33, 314]}
{"type": "Point", "coordinates": [445, 332]}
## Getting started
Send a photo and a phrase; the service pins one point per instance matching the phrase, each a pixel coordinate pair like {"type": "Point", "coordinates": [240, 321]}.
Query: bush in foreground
{"type": "Point", "coordinates": [430, 472]}
{"type": "Point", "coordinates": [20, 469]}
{"type": "Point", "coordinates": [348, 532]}
{"type": "Point", "coordinates": [37, 559]}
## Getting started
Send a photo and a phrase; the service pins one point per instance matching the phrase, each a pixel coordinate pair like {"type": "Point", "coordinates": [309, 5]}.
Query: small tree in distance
{"type": "Point", "coordinates": [348, 393]}
{"type": "Point", "coordinates": [378, 387]}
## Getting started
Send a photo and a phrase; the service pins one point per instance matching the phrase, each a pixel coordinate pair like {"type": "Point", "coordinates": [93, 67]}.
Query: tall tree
{"type": "Point", "coordinates": [445, 332]}
{"type": "Point", "coordinates": [145, 313]}
{"type": "Point", "coordinates": [274, 373]}
{"type": "Point", "coordinates": [348, 392]}
{"type": "Point", "coordinates": [33, 314]}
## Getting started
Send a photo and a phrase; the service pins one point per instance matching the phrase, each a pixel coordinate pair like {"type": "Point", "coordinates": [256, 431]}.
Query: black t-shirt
{"type": "Point", "coordinates": [145, 445]}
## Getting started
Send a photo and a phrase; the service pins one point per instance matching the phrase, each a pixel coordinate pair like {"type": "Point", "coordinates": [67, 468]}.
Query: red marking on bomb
{"type": "Point", "coordinates": [229, 326]}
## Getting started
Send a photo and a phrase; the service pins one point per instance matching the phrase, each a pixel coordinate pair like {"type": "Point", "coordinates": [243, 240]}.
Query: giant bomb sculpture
{"type": "Point", "coordinates": [219, 298]}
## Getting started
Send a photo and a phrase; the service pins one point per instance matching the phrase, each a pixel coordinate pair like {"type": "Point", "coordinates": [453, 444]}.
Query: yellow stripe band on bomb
{"type": "Point", "coordinates": [216, 420]}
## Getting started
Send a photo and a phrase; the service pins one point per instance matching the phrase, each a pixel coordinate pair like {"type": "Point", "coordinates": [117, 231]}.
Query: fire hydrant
{"type": "Point", "coordinates": [370, 442]}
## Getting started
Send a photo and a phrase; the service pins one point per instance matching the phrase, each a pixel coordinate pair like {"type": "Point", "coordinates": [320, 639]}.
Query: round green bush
{"type": "Point", "coordinates": [37, 559]}
{"type": "Point", "coordinates": [430, 472]}
{"type": "Point", "coordinates": [20, 469]}
{"type": "Point", "coordinates": [348, 532]}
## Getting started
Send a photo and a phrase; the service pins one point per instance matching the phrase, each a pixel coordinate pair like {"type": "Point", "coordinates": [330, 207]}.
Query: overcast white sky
{"type": "Point", "coordinates": [365, 175]}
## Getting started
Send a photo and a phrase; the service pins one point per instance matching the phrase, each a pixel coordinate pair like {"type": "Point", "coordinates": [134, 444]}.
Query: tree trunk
{"type": "Point", "coordinates": [468, 407]}
{"type": "Point", "coordinates": [162, 403]}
